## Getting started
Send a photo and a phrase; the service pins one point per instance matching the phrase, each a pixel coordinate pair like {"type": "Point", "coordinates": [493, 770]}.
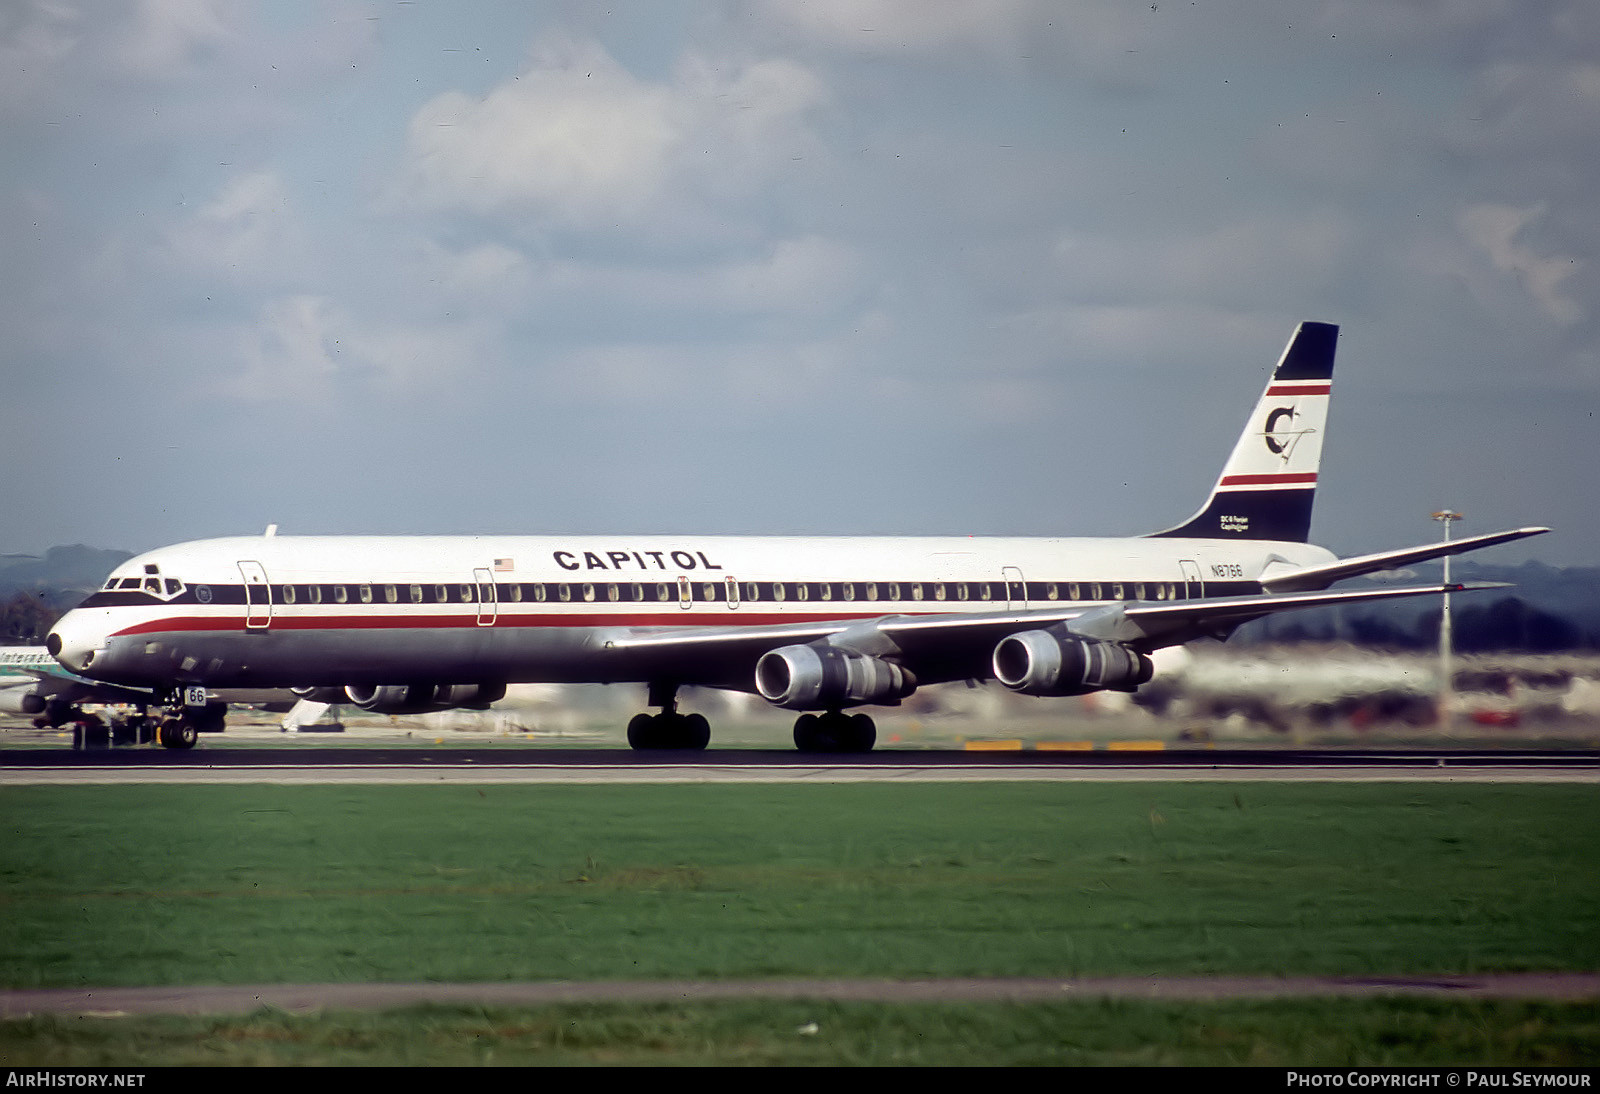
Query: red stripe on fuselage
{"type": "Point", "coordinates": [1315, 388]}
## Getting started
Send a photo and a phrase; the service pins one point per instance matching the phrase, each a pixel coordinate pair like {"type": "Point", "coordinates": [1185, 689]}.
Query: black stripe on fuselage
{"type": "Point", "coordinates": [512, 594]}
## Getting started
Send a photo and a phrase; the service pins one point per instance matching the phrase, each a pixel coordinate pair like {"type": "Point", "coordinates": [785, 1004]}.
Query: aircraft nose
{"type": "Point", "coordinates": [73, 644]}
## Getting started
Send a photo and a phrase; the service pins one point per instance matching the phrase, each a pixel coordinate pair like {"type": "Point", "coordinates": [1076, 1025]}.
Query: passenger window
{"type": "Point", "coordinates": [540, 592]}
{"type": "Point", "coordinates": [341, 594]}
{"type": "Point", "coordinates": [827, 590]}
{"type": "Point", "coordinates": [416, 594]}
{"type": "Point", "coordinates": [588, 591]}
{"type": "Point", "coordinates": [752, 591]}
{"type": "Point", "coordinates": [390, 594]}
{"type": "Point", "coordinates": [366, 594]}
{"type": "Point", "coordinates": [288, 594]}
{"type": "Point", "coordinates": [778, 591]}
{"type": "Point", "coordinates": [849, 590]}
{"type": "Point", "coordinates": [564, 592]}
{"type": "Point", "coordinates": [316, 593]}
{"type": "Point", "coordinates": [1052, 591]}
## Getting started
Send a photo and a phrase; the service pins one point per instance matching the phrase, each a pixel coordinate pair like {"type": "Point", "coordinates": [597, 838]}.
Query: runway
{"type": "Point", "coordinates": [378, 765]}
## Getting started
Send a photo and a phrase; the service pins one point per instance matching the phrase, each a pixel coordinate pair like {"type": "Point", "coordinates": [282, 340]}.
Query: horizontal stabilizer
{"type": "Point", "coordinates": [1320, 577]}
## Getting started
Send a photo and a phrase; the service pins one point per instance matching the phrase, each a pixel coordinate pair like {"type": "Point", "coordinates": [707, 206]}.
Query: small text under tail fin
{"type": "Point", "coordinates": [1268, 484]}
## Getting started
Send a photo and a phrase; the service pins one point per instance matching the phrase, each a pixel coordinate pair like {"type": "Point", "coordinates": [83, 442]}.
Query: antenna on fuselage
{"type": "Point", "coordinates": [272, 530]}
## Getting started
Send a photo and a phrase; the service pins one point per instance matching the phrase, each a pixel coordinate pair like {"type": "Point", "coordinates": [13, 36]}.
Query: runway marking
{"type": "Point", "coordinates": [310, 774]}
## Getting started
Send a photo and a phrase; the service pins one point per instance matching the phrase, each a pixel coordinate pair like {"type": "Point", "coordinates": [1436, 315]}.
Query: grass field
{"type": "Point", "coordinates": [172, 885]}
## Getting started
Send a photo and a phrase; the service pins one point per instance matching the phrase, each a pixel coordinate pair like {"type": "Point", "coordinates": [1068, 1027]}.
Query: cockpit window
{"type": "Point", "coordinates": [163, 588]}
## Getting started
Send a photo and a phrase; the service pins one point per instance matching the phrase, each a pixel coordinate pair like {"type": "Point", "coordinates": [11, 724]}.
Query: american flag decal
{"type": "Point", "coordinates": [503, 565]}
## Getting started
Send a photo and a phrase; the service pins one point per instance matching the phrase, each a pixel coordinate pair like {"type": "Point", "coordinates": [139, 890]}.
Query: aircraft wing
{"type": "Point", "coordinates": [954, 647]}
{"type": "Point", "coordinates": [1320, 577]}
{"type": "Point", "coordinates": [30, 686]}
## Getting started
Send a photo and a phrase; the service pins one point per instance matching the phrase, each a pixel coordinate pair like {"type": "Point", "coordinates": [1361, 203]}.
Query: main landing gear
{"type": "Point", "coordinates": [835, 731]}
{"type": "Point", "coordinates": [669, 729]}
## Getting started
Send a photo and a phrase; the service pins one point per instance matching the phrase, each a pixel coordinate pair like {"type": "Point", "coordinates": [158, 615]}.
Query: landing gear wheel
{"type": "Point", "coordinates": [642, 732]}
{"type": "Point", "coordinates": [807, 737]}
{"type": "Point", "coordinates": [694, 732]}
{"type": "Point", "coordinates": [669, 730]}
{"type": "Point", "coordinates": [177, 733]}
{"type": "Point", "coordinates": [863, 733]}
{"type": "Point", "coordinates": [835, 731]}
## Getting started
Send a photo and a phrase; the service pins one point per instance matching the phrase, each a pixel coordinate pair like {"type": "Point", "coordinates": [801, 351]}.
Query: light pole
{"type": "Point", "coordinates": [1446, 517]}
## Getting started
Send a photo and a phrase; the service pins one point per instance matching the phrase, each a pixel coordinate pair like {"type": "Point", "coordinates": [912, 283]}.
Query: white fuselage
{"type": "Point", "coordinates": [278, 611]}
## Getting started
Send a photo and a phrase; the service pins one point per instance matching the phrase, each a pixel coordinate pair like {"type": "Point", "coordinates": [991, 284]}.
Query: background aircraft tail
{"type": "Point", "coordinates": [1267, 486]}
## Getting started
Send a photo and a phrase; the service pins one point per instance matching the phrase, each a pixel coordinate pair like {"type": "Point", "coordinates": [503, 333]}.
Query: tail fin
{"type": "Point", "coordinates": [1267, 485]}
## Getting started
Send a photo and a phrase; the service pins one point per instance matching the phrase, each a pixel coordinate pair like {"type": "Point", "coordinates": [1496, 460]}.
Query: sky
{"type": "Point", "coordinates": [1015, 267]}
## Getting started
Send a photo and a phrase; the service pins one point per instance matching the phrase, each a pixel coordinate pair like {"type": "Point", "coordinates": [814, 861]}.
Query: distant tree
{"type": "Point", "coordinates": [27, 617]}
{"type": "Point", "coordinates": [1510, 623]}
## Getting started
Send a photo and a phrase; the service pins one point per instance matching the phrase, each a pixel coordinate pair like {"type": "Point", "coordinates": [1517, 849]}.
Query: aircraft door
{"type": "Point", "coordinates": [1016, 589]}
{"type": "Point", "coordinates": [488, 602]}
{"type": "Point", "coordinates": [1194, 587]}
{"type": "Point", "coordinates": [257, 596]}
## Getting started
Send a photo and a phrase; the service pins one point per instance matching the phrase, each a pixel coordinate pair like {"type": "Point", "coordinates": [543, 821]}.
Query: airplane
{"type": "Point", "coordinates": [32, 682]}
{"type": "Point", "coordinates": [409, 624]}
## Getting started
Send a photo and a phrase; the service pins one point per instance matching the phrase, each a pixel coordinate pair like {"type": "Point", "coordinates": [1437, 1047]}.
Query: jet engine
{"type": "Point", "coordinates": [416, 698]}
{"type": "Point", "coordinates": [330, 696]}
{"type": "Point", "coordinates": [20, 701]}
{"type": "Point", "coordinates": [828, 678]}
{"type": "Point", "coordinates": [1055, 662]}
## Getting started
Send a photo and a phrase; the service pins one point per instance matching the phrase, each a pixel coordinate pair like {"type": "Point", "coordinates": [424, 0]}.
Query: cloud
{"type": "Point", "coordinates": [575, 141]}
{"type": "Point", "coordinates": [574, 137]}
{"type": "Point", "coordinates": [304, 350]}
{"type": "Point", "coordinates": [248, 233]}
{"type": "Point", "coordinates": [35, 37]}
{"type": "Point", "coordinates": [289, 353]}
{"type": "Point", "coordinates": [908, 26]}
{"type": "Point", "coordinates": [164, 36]}
{"type": "Point", "coordinates": [1496, 231]}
